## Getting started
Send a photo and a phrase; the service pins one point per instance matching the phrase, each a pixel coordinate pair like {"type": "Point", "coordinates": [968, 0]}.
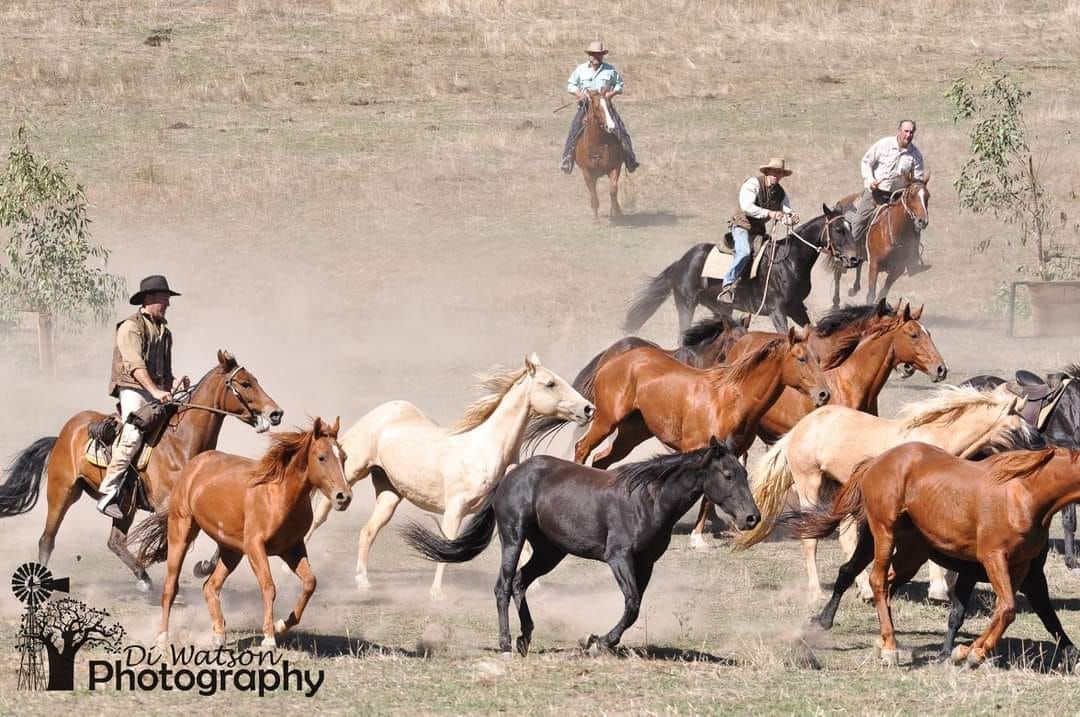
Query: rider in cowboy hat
{"type": "Point", "coordinates": [141, 373]}
{"type": "Point", "coordinates": [761, 198]}
{"type": "Point", "coordinates": [598, 76]}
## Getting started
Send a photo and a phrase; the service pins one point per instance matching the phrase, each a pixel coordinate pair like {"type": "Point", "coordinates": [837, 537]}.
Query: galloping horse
{"type": "Point", "coordinates": [779, 289]}
{"type": "Point", "coordinates": [916, 502]}
{"type": "Point", "coordinates": [645, 393]}
{"type": "Point", "coordinates": [563, 509]}
{"type": "Point", "coordinates": [253, 508]}
{"type": "Point", "coordinates": [890, 240]}
{"type": "Point", "coordinates": [829, 443]}
{"type": "Point", "coordinates": [598, 152]}
{"type": "Point", "coordinates": [227, 389]}
{"type": "Point", "coordinates": [448, 471]}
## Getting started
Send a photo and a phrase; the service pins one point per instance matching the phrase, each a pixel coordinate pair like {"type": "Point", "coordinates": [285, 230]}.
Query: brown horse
{"type": "Point", "coordinates": [891, 239]}
{"type": "Point", "coordinates": [253, 508]}
{"type": "Point", "coordinates": [645, 393]}
{"type": "Point", "coordinates": [916, 502]}
{"type": "Point", "coordinates": [599, 152]}
{"type": "Point", "coordinates": [227, 389]}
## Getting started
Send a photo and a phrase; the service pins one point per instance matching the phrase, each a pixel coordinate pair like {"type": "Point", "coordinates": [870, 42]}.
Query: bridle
{"type": "Point", "coordinates": [901, 198]}
{"type": "Point", "coordinates": [185, 404]}
{"type": "Point", "coordinates": [827, 247]}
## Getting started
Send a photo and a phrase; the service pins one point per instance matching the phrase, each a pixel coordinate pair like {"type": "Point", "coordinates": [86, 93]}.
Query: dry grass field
{"type": "Point", "coordinates": [360, 199]}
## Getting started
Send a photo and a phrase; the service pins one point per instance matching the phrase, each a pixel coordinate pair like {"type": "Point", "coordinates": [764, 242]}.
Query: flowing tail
{"type": "Point", "coordinates": [150, 539]}
{"type": "Point", "coordinates": [648, 299]}
{"type": "Point", "coordinates": [770, 482]}
{"type": "Point", "coordinates": [19, 493]}
{"type": "Point", "coordinates": [820, 522]}
{"type": "Point", "coordinates": [541, 428]}
{"type": "Point", "coordinates": [475, 537]}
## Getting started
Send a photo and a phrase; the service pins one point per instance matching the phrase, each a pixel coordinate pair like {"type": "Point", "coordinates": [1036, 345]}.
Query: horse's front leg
{"type": "Point", "coordinates": [613, 179]}
{"type": "Point", "coordinates": [857, 286]}
{"type": "Point", "coordinates": [837, 272]}
{"type": "Point", "coordinates": [871, 281]}
{"type": "Point", "coordinates": [118, 545]}
{"type": "Point", "coordinates": [594, 201]}
{"type": "Point", "coordinates": [297, 560]}
{"type": "Point", "coordinates": [255, 549]}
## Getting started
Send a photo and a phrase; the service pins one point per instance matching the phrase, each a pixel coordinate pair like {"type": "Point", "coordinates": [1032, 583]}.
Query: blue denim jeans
{"type": "Point", "coordinates": [742, 254]}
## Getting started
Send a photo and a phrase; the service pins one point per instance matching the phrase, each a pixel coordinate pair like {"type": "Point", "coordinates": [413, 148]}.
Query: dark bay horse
{"type": "Point", "coordinates": [624, 518]}
{"type": "Point", "coordinates": [779, 289]}
{"type": "Point", "coordinates": [598, 152]}
{"type": "Point", "coordinates": [890, 240]}
{"type": "Point", "coordinates": [256, 508]}
{"type": "Point", "coordinates": [227, 389]}
{"type": "Point", "coordinates": [917, 502]}
{"type": "Point", "coordinates": [1061, 428]}
{"type": "Point", "coordinates": [644, 393]}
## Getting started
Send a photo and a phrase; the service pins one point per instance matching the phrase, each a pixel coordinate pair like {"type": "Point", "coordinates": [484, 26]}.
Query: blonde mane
{"type": "Point", "coordinates": [952, 402]}
{"type": "Point", "coordinates": [723, 376]}
{"type": "Point", "coordinates": [497, 383]}
{"type": "Point", "coordinates": [283, 448]}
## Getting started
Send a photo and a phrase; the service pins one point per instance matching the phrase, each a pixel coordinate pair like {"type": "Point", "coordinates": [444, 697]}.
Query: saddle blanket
{"type": "Point", "coordinates": [99, 454]}
{"type": "Point", "coordinates": [718, 261]}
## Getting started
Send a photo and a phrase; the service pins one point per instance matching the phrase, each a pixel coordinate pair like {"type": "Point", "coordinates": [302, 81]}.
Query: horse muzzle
{"type": "Point", "coordinates": [941, 371]}
{"type": "Point", "coordinates": [905, 370]}
{"type": "Point", "coordinates": [584, 415]}
{"type": "Point", "coordinates": [341, 499]}
{"type": "Point", "coordinates": [921, 224]}
{"type": "Point", "coordinates": [820, 397]}
{"type": "Point", "coordinates": [849, 262]}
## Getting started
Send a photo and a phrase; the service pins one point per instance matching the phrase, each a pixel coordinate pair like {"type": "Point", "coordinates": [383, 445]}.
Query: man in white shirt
{"type": "Point", "coordinates": [761, 198]}
{"type": "Point", "coordinates": [886, 167]}
{"type": "Point", "coordinates": [597, 76]}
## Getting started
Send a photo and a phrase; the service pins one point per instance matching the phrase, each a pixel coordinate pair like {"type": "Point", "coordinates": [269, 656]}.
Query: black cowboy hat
{"type": "Point", "coordinates": [150, 284]}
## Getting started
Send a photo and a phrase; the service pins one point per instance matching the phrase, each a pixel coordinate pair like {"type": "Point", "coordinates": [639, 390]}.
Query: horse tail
{"type": "Point", "coordinates": [771, 480]}
{"type": "Point", "coordinates": [19, 493]}
{"type": "Point", "coordinates": [541, 428]}
{"type": "Point", "coordinates": [474, 538]}
{"type": "Point", "coordinates": [150, 538]}
{"type": "Point", "coordinates": [820, 522]}
{"type": "Point", "coordinates": [649, 298]}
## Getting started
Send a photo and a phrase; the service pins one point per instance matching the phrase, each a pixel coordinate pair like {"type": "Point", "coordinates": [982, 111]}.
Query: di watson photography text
{"type": "Point", "coordinates": [206, 671]}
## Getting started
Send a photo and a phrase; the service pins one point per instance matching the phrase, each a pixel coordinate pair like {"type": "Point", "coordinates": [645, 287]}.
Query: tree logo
{"type": "Point", "coordinates": [59, 628]}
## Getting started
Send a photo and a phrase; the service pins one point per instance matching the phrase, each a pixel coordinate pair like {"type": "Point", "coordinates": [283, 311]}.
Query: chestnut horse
{"type": "Point", "coordinates": [253, 508]}
{"type": "Point", "coordinates": [890, 240]}
{"type": "Point", "coordinates": [227, 389]}
{"type": "Point", "coordinates": [645, 393]}
{"type": "Point", "coordinates": [826, 446]}
{"type": "Point", "coordinates": [598, 152]}
{"type": "Point", "coordinates": [917, 501]}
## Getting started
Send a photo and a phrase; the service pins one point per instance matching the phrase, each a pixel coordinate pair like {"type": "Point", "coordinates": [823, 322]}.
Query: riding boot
{"type": "Point", "coordinates": [124, 452]}
{"type": "Point", "coordinates": [727, 294]}
{"type": "Point", "coordinates": [628, 150]}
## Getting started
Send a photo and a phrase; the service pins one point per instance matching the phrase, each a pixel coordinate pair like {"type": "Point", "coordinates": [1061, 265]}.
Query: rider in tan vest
{"type": "Point", "coordinates": [141, 373]}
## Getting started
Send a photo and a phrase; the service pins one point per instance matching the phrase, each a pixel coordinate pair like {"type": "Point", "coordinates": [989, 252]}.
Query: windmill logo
{"type": "Point", "coordinates": [59, 628]}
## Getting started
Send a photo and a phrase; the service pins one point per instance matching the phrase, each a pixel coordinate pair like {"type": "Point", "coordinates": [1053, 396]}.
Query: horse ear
{"type": "Point", "coordinates": [337, 425]}
{"type": "Point", "coordinates": [827, 211]}
{"type": "Point", "coordinates": [882, 307]}
{"type": "Point", "coordinates": [917, 313]}
{"type": "Point", "coordinates": [791, 335]}
{"type": "Point", "coordinates": [714, 444]}
{"type": "Point", "coordinates": [926, 177]}
{"type": "Point", "coordinates": [729, 444]}
{"type": "Point", "coordinates": [745, 321]}
{"type": "Point", "coordinates": [225, 359]}
{"type": "Point", "coordinates": [317, 428]}
{"type": "Point", "coordinates": [531, 365]}
{"type": "Point", "coordinates": [907, 312]}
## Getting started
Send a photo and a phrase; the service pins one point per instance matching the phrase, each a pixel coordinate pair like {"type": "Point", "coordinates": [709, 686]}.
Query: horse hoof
{"type": "Point", "coordinates": [268, 641]}
{"type": "Point", "coordinates": [506, 655]}
{"type": "Point", "coordinates": [976, 657]}
{"type": "Point", "coordinates": [890, 658]}
{"type": "Point", "coordinates": [161, 640]}
{"type": "Point", "coordinates": [144, 585]}
{"type": "Point", "coordinates": [280, 627]}
{"type": "Point", "coordinates": [437, 595]}
{"type": "Point", "coordinates": [938, 593]}
{"type": "Point", "coordinates": [959, 654]}
{"type": "Point", "coordinates": [362, 582]}
{"type": "Point", "coordinates": [697, 542]}
{"type": "Point", "coordinates": [217, 639]}
{"type": "Point", "coordinates": [522, 644]}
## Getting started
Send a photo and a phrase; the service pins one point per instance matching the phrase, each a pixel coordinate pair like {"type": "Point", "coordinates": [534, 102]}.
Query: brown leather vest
{"type": "Point", "coordinates": [157, 353]}
{"type": "Point", "coordinates": [771, 198]}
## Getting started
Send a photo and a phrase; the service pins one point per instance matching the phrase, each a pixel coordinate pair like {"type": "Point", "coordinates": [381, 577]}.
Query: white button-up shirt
{"type": "Point", "coordinates": [585, 78]}
{"type": "Point", "coordinates": [887, 164]}
{"type": "Point", "coordinates": [748, 200]}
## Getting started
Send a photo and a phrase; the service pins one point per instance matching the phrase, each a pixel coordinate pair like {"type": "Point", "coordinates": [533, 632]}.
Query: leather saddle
{"type": "Point", "coordinates": [1040, 395]}
{"type": "Point", "coordinates": [727, 244]}
{"type": "Point", "coordinates": [134, 493]}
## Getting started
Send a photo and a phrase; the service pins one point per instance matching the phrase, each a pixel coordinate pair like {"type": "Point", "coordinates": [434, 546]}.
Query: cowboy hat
{"type": "Point", "coordinates": [596, 47]}
{"type": "Point", "coordinates": [149, 285]}
{"type": "Point", "coordinates": [775, 163]}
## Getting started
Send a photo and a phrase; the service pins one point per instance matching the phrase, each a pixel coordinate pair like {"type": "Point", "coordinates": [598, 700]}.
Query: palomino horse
{"type": "Point", "coordinates": [645, 393]}
{"type": "Point", "coordinates": [227, 389]}
{"type": "Point", "coordinates": [866, 357]}
{"type": "Point", "coordinates": [829, 442]}
{"type": "Point", "coordinates": [890, 240]}
{"type": "Point", "coordinates": [248, 507]}
{"type": "Point", "coordinates": [448, 471]}
{"type": "Point", "coordinates": [563, 509]}
{"type": "Point", "coordinates": [598, 152]}
{"type": "Point", "coordinates": [917, 501]}
{"type": "Point", "coordinates": [779, 289]}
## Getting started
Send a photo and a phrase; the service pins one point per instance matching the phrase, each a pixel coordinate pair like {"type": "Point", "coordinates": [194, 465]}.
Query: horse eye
{"type": "Point", "coordinates": [245, 384]}
{"type": "Point", "coordinates": [550, 384]}
{"type": "Point", "coordinates": [322, 459]}
{"type": "Point", "coordinates": [802, 359]}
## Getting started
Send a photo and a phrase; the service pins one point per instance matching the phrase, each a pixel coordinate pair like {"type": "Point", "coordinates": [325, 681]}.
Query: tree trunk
{"type": "Point", "coordinates": [61, 668]}
{"type": "Point", "coordinates": [46, 352]}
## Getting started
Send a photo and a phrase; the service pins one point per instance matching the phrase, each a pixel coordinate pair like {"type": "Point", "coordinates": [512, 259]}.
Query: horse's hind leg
{"type": "Point", "coordinates": [512, 537]}
{"type": "Point", "coordinates": [961, 596]}
{"type": "Point", "coordinates": [118, 545]}
{"type": "Point", "coordinates": [594, 201]}
{"type": "Point", "coordinates": [386, 502]}
{"type": "Point", "coordinates": [1068, 524]}
{"type": "Point", "coordinates": [632, 432]}
{"type": "Point", "coordinates": [856, 564]}
{"type": "Point", "coordinates": [871, 281]}
{"type": "Point", "coordinates": [62, 492]}
{"type": "Point", "coordinates": [451, 523]}
{"type": "Point", "coordinates": [696, 535]}
{"type": "Point", "coordinates": [212, 592]}
{"type": "Point", "coordinates": [613, 180]}
{"type": "Point", "coordinates": [622, 566]}
{"type": "Point", "coordinates": [544, 559]}
{"type": "Point", "coordinates": [297, 560]}
{"type": "Point", "coordinates": [890, 279]}
{"type": "Point", "coordinates": [181, 534]}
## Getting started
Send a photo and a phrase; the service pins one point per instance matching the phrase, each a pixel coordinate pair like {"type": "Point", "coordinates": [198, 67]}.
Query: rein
{"type": "Point", "coordinates": [827, 247]}
{"type": "Point", "coordinates": [185, 405]}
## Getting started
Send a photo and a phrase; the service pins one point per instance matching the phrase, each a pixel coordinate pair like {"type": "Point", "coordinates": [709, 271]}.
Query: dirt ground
{"type": "Point", "coordinates": [360, 200]}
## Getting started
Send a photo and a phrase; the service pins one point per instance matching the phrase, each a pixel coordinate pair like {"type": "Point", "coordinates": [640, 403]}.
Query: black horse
{"type": "Point", "coordinates": [1062, 428]}
{"type": "Point", "coordinates": [779, 289]}
{"type": "Point", "coordinates": [623, 517]}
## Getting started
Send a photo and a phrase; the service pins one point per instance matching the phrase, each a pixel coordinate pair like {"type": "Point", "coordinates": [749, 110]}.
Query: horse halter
{"type": "Point", "coordinates": [902, 200]}
{"type": "Point", "coordinates": [827, 247]}
{"type": "Point", "coordinates": [252, 416]}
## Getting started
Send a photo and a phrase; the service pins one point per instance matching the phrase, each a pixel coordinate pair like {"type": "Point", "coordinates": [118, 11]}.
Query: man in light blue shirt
{"type": "Point", "coordinates": [596, 76]}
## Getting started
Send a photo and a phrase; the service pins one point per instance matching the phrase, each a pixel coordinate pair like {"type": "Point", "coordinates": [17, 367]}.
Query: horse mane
{"type": "Point", "coordinates": [1013, 465]}
{"type": "Point", "coordinates": [951, 402]}
{"type": "Point", "coordinates": [283, 448]}
{"type": "Point", "coordinates": [655, 471]}
{"type": "Point", "coordinates": [848, 316]}
{"type": "Point", "coordinates": [706, 330]}
{"type": "Point", "coordinates": [497, 382]}
{"type": "Point", "coordinates": [846, 345]}
{"type": "Point", "coordinates": [723, 376]}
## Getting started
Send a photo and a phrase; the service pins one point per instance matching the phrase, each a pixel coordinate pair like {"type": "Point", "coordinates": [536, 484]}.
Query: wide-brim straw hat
{"type": "Point", "coordinates": [596, 47]}
{"type": "Point", "coordinates": [776, 163]}
{"type": "Point", "coordinates": [149, 285]}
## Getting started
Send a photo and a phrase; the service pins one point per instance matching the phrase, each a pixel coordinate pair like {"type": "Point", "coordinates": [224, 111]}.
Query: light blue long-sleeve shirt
{"type": "Point", "coordinates": [585, 78]}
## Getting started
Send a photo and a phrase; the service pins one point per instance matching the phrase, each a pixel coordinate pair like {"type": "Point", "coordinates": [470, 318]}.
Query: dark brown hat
{"type": "Point", "coordinates": [149, 285]}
